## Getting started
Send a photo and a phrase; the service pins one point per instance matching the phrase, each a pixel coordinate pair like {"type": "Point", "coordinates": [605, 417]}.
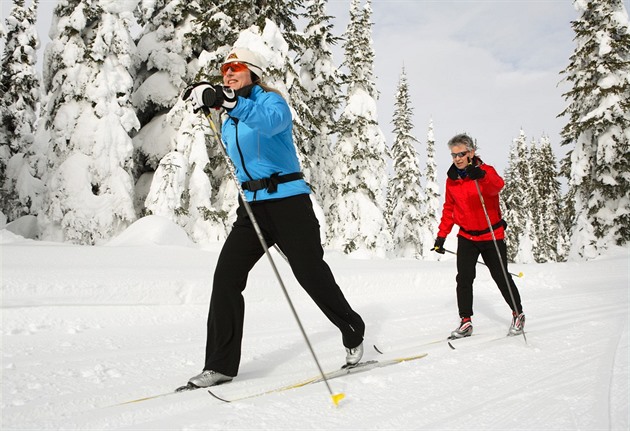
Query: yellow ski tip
{"type": "Point", "coordinates": [337, 397]}
{"type": "Point", "coordinates": [520, 274]}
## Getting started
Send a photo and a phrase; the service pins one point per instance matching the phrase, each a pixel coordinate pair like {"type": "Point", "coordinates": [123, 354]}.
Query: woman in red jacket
{"type": "Point", "coordinates": [463, 207]}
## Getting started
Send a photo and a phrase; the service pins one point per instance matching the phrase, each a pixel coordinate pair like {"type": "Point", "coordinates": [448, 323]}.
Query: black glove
{"type": "Point", "coordinates": [204, 95]}
{"type": "Point", "coordinates": [475, 172]}
{"type": "Point", "coordinates": [438, 247]}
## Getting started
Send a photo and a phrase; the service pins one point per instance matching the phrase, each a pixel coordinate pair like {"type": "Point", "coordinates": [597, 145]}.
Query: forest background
{"type": "Point", "coordinates": [444, 51]}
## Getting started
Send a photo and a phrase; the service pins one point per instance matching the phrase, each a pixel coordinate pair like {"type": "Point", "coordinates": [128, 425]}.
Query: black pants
{"type": "Point", "coordinates": [467, 254]}
{"type": "Point", "coordinates": [291, 224]}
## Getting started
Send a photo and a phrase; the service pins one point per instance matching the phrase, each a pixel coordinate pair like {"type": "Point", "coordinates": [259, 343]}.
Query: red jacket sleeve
{"type": "Point", "coordinates": [447, 221]}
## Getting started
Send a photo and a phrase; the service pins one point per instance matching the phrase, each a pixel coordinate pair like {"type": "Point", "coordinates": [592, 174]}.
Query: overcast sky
{"type": "Point", "coordinates": [488, 68]}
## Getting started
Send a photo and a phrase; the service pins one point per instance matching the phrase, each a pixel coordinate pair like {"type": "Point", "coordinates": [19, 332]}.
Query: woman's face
{"type": "Point", "coordinates": [236, 76]}
{"type": "Point", "coordinates": [461, 155]}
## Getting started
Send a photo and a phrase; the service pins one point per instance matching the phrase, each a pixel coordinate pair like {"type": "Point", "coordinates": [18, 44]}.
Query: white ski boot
{"type": "Point", "coordinates": [465, 329]}
{"type": "Point", "coordinates": [208, 378]}
{"type": "Point", "coordinates": [518, 324]}
{"type": "Point", "coordinates": [354, 355]}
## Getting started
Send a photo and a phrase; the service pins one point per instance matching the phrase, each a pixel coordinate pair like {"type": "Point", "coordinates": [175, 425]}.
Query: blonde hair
{"type": "Point", "coordinates": [268, 88]}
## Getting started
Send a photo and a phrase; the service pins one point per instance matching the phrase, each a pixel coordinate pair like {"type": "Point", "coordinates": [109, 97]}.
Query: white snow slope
{"type": "Point", "coordinates": [85, 329]}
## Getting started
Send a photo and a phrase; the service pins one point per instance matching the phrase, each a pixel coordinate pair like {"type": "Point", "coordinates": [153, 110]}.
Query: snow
{"type": "Point", "coordinates": [85, 329]}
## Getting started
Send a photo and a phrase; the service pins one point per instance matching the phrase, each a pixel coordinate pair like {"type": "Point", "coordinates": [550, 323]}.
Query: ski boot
{"type": "Point", "coordinates": [354, 355]}
{"type": "Point", "coordinates": [465, 329]}
{"type": "Point", "coordinates": [518, 324]}
{"type": "Point", "coordinates": [208, 378]}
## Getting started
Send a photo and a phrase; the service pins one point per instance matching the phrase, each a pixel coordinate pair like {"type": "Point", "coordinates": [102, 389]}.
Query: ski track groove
{"type": "Point", "coordinates": [577, 373]}
{"type": "Point", "coordinates": [91, 402]}
{"type": "Point", "coordinates": [536, 384]}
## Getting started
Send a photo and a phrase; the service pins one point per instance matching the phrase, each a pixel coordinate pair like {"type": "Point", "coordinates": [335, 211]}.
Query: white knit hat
{"type": "Point", "coordinates": [243, 55]}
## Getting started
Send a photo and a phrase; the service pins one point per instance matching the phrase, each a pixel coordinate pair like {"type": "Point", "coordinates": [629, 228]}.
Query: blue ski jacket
{"type": "Point", "coordinates": [258, 137]}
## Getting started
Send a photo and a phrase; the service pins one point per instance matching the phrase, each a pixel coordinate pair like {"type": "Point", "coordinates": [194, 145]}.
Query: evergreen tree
{"type": "Point", "coordinates": [165, 51]}
{"type": "Point", "coordinates": [432, 192]}
{"type": "Point", "coordinates": [516, 203]}
{"type": "Point", "coordinates": [20, 166]}
{"type": "Point", "coordinates": [566, 217]}
{"type": "Point", "coordinates": [88, 73]}
{"type": "Point", "coordinates": [321, 80]}
{"type": "Point", "coordinates": [405, 199]}
{"type": "Point", "coordinates": [172, 153]}
{"type": "Point", "coordinates": [184, 176]}
{"type": "Point", "coordinates": [304, 130]}
{"type": "Point", "coordinates": [248, 24]}
{"type": "Point", "coordinates": [214, 33]}
{"type": "Point", "coordinates": [246, 13]}
{"type": "Point", "coordinates": [217, 26]}
{"type": "Point", "coordinates": [360, 175]}
{"type": "Point", "coordinates": [546, 203]}
{"type": "Point", "coordinates": [599, 128]}
{"type": "Point", "coordinates": [284, 14]}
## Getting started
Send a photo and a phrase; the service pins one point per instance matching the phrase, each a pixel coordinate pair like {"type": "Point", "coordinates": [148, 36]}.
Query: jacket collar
{"type": "Point", "coordinates": [455, 174]}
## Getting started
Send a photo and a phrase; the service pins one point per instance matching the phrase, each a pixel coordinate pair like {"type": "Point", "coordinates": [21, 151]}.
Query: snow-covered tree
{"type": "Point", "coordinates": [360, 179]}
{"type": "Point", "coordinates": [432, 193]}
{"type": "Point", "coordinates": [172, 152]}
{"type": "Point", "coordinates": [88, 72]}
{"type": "Point", "coordinates": [164, 51]}
{"type": "Point", "coordinates": [405, 198]}
{"type": "Point", "coordinates": [223, 21]}
{"type": "Point", "coordinates": [283, 13]}
{"type": "Point", "coordinates": [20, 166]}
{"type": "Point", "coordinates": [321, 80]}
{"type": "Point", "coordinates": [546, 202]}
{"type": "Point", "coordinates": [516, 201]}
{"type": "Point", "coordinates": [185, 177]}
{"type": "Point", "coordinates": [304, 131]}
{"type": "Point", "coordinates": [598, 128]}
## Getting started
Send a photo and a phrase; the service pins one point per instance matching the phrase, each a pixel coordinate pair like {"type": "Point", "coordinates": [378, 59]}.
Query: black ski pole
{"type": "Point", "coordinates": [519, 275]}
{"type": "Point", "coordinates": [335, 397]}
{"type": "Point", "coordinates": [496, 246]}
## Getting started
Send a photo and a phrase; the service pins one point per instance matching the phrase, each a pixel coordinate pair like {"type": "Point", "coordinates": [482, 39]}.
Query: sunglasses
{"type": "Point", "coordinates": [460, 154]}
{"type": "Point", "coordinates": [235, 67]}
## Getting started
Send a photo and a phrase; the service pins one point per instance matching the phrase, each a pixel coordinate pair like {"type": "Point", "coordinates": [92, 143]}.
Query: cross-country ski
{"type": "Point", "coordinates": [361, 367]}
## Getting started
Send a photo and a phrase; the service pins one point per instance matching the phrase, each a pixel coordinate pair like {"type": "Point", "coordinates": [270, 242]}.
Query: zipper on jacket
{"type": "Point", "coordinates": [240, 152]}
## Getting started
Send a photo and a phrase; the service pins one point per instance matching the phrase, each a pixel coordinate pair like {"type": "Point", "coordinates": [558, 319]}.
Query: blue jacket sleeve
{"type": "Point", "coordinates": [269, 113]}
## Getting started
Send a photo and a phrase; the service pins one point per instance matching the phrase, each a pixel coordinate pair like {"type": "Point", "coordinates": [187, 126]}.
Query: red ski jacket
{"type": "Point", "coordinates": [462, 205]}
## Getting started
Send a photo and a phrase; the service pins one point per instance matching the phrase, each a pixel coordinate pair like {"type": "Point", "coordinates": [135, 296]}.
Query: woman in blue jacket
{"type": "Point", "coordinates": [258, 137]}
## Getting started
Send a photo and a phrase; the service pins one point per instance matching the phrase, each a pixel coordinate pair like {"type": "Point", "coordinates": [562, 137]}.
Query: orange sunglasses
{"type": "Point", "coordinates": [235, 67]}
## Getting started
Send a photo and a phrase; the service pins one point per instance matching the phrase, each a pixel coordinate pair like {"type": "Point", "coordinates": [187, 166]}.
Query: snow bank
{"type": "Point", "coordinates": [152, 230]}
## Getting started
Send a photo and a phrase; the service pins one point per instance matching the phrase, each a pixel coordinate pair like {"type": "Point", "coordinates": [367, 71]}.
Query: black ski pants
{"type": "Point", "coordinates": [291, 224]}
{"type": "Point", "coordinates": [467, 254]}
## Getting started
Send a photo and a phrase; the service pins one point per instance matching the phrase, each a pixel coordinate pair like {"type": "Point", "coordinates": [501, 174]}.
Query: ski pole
{"type": "Point", "coordinates": [519, 275]}
{"type": "Point", "coordinates": [496, 246]}
{"type": "Point", "coordinates": [335, 397]}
